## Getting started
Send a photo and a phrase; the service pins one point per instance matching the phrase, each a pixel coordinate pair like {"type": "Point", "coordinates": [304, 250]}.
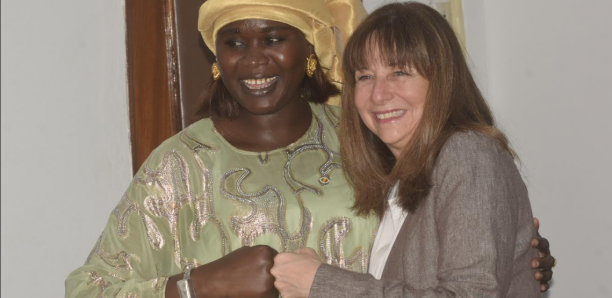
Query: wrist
{"type": "Point", "coordinates": [206, 283]}
{"type": "Point", "coordinates": [185, 285]}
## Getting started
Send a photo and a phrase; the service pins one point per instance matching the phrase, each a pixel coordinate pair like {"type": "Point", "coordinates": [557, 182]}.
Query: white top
{"type": "Point", "coordinates": [387, 233]}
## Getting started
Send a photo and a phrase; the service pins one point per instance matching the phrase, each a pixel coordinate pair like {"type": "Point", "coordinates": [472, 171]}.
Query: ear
{"type": "Point", "coordinates": [311, 49]}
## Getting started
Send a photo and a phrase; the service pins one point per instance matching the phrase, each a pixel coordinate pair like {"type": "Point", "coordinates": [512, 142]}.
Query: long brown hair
{"type": "Point", "coordinates": [409, 35]}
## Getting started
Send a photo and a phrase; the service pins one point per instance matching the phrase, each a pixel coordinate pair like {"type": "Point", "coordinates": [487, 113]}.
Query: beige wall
{"type": "Point", "coordinates": [65, 145]}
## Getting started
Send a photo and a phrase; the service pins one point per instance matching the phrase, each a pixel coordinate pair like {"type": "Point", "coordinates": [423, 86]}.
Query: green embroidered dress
{"type": "Point", "coordinates": [197, 198]}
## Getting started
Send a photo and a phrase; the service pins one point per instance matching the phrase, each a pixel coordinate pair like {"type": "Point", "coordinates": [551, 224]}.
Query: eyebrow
{"type": "Point", "coordinates": [265, 30]}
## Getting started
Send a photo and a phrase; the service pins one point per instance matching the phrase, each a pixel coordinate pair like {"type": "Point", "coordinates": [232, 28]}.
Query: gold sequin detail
{"type": "Point", "coordinates": [194, 145]}
{"type": "Point", "coordinates": [100, 282]}
{"type": "Point", "coordinates": [205, 210]}
{"type": "Point", "coordinates": [120, 260]}
{"type": "Point", "coordinates": [171, 180]}
{"type": "Point", "coordinates": [123, 211]}
{"type": "Point", "coordinates": [173, 191]}
{"type": "Point", "coordinates": [331, 249]}
{"type": "Point", "coordinates": [265, 213]}
{"type": "Point", "coordinates": [319, 143]}
{"type": "Point", "coordinates": [159, 284]}
{"type": "Point", "coordinates": [156, 240]}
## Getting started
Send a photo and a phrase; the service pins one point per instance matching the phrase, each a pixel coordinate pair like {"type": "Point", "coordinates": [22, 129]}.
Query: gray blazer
{"type": "Point", "coordinates": [469, 238]}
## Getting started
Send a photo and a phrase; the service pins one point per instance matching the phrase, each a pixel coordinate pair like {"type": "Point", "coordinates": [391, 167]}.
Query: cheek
{"type": "Point", "coordinates": [361, 103]}
{"type": "Point", "coordinates": [291, 56]}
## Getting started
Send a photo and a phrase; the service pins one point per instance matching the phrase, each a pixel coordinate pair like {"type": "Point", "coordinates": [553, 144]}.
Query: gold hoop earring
{"type": "Point", "coordinates": [311, 65]}
{"type": "Point", "coordinates": [215, 71]}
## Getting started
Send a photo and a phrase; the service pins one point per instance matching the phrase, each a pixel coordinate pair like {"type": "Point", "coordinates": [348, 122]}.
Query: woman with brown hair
{"type": "Point", "coordinates": [416, 130]}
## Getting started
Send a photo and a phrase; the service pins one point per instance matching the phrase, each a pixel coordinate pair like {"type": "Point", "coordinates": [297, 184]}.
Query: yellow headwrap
{"type": "Point", "coordinates": [326, 24]}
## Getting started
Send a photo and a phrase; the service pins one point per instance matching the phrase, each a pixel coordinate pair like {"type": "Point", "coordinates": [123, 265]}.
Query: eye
{"type": "Point", "coordinates": [360, 77]}
{"type": "Point", "coordinates": [273, 40]}
{"type": "Point", "coordinates": [234, 43]}
{"type": "Point", "coordinates": [400, 73]}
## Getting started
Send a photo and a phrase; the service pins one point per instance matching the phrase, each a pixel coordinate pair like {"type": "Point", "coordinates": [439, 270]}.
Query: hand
{"type": "Point", "coordinates": [545, 262]}
{"type": "Point", "coordinates": [243, 273]}
{"type": "Point", "coordinates": [295, 272]}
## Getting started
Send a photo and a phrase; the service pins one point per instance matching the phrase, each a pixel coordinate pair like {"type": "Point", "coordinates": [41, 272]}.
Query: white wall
{"type": "Point", "coordinates": [65, 140]}
{"type": "Point", "coordinates": [546, 68]}
{"type": "Point", "coordinates": [550, 68]}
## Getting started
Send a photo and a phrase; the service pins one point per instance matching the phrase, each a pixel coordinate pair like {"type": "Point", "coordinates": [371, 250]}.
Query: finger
{"type": "Point", "coordinates": [281, 258]}
{"type": "Point", "coordinates": [541, 244]}
{"type": "Point", "coordinates": [545, 276]}
{"type": "Point", "coordinates": [536, 223]}
{"type": "Point", "coordinates": [543, 263]}
{"type": "Point", "coordinates": [544, 287]}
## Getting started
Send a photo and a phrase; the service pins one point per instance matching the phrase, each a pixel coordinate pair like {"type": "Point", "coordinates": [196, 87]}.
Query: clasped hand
{"type": "Point", "coordinates": [295, 272]}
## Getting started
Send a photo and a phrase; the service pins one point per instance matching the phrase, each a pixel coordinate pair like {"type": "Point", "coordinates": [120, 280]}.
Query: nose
{"type": "Point", "coordinates": [381, 92]}
{"type": "Point", "coordinates": [255, 56]}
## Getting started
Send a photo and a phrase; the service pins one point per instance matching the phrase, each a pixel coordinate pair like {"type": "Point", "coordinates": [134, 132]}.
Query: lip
{"type": "Point", "coordinates": [389, 115]}
{"type": "Point", "coordinates": [265, 85]}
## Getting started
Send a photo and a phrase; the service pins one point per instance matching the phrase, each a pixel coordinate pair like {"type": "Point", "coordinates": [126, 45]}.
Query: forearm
{"type": "Point", "coordinates": [335, 282]}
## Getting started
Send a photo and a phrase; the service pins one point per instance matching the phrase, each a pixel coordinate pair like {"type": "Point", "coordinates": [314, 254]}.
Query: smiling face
{"type": "Point", "coordinates": [390, 101]}
{"type": "Point", "coordinates": [262, 64]}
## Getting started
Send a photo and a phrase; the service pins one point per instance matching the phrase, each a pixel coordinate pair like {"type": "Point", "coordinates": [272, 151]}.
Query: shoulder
{"type": "Point", "coordinates": [472, 153]}
{"type": "Point", "coordinates": [197, 137]}
{"type": "Point", "coordinates": [466, 146]}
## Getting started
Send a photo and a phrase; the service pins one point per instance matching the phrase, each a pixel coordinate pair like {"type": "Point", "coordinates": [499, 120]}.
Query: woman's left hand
{"type": "Point", "coordinates": [295, 272]}
{"type": "Point", "coordinates": [545, 262]}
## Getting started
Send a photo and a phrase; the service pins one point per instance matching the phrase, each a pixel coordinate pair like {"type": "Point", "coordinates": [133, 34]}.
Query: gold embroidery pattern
{"type": "Point", "coordinates": [204, 207]}
{"type": "Point", "coordinates": [123, 211]}
{"type": "Point", "coordinates": [159, 284]}
{"type": "Point", "coordinates": [266, 214]}
{"type": "Point", "coordinates": [331, 249]}
{"type": "Point", "coordinates": [194, 145]}
{"type": "Point", "coordinates": [332, 162]}
{"type": "Point", "coordinates": [120, 260]}
{"type": "Point", "coordinates": [156, 240]}
{"type": "Point", "coordinates": [172, 179]}
{"type": "Point", "coordinates": [100, 282]}
{"type": "Point", "coordinates": [205, 210]}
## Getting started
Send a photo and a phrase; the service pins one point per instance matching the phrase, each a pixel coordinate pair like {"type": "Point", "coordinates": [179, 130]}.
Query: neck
{"type": "Point", "coordinates": [260, 133]}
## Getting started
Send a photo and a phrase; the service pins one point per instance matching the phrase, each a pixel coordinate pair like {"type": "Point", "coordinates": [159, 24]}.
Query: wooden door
{"type": "Point", "coordinates": [168, 65]}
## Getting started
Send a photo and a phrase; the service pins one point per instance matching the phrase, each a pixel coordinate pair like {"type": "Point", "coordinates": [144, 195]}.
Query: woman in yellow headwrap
{"type": "Point", "coordinates": [211, 206]}
{"type": "Point", "coordinates": [263, 170]}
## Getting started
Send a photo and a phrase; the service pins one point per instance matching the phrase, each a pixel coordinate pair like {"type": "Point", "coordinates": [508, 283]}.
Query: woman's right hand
{"type": "Point", "coordinates": [244, 273]}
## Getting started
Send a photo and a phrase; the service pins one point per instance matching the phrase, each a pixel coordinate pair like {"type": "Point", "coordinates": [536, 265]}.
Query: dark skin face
{"type": "Point", "coordinates": [263, 64]}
